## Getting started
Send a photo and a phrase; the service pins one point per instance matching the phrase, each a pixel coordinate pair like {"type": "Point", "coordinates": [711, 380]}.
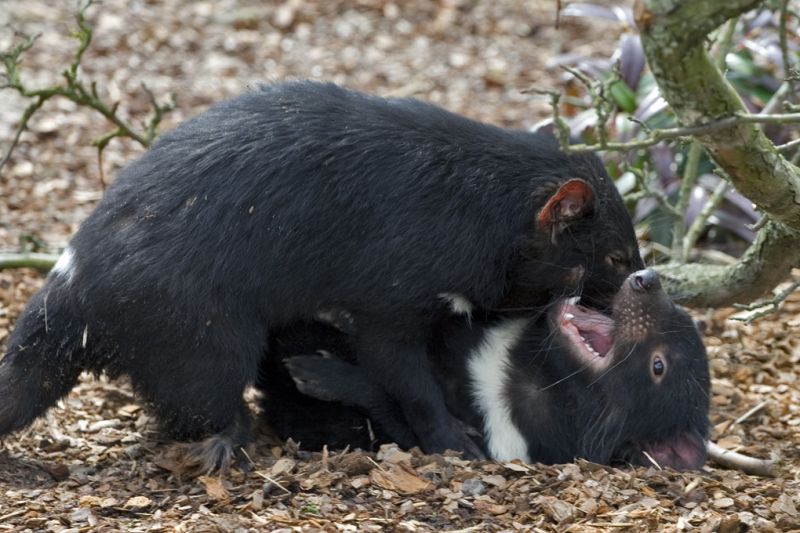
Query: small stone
{"type": "Point", "coordinates": [723, 503]}
{"type": "Point", "coordinates": [473, 487]}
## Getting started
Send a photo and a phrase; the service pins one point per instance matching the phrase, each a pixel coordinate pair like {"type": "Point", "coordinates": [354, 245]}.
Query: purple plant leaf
{"type": "Point", "coordinates": [589, 65]}
{"type": "Point", "coordinates": [710, 181]}
{"type": "Point", "coordinates": [650, 105]}
{"type": "Point", "coordinates": [733, 223]}
{"type": "Point", "coordinates": [590, 11]}
{"type": "Point", "coordinates": [761, 19]}
{"type": "Point", "coordinates": [582, 121]}
{"type": "Point", "coordinates": [616, 13]}
{"type": "Point", "coordinates": [543, 126]}
{"type": "Point", "coordinates": [766, 47]}
{"type": "Point", "coordinates": [627, 13]}
{"type": "Point", "coordinates": [697, 200]}
{"type": "Point", "coordinates": [662, 156]}
{"type": "Point", "coordinates": [624, 128]}
{"type": "Point", "coordinates": [631, 59]}
{"type": "Point", "coordinates": [744, 205]}
{"type": "Point", "coordinates": [644, 207]}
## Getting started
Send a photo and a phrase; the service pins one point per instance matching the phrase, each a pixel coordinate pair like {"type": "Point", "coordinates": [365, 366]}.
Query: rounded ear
{"type": "Point", "coordinates": [572, 201]}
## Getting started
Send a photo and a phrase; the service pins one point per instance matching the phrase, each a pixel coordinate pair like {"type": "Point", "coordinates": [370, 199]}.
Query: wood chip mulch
{"type": "Point", "coordinates": [96, 464]}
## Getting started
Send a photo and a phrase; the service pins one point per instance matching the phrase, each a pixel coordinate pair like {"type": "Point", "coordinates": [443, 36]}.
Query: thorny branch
{"type": "Point", "coordinates": [75, 90]}
{"type": "Point", "coordinates": [659, 135]}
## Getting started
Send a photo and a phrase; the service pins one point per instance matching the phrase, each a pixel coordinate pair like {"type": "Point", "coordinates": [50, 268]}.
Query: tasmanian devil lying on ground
{"type": "Point", "coordinates": [631, 388]}
{"type": "Point", "coordinates": [286, 202]}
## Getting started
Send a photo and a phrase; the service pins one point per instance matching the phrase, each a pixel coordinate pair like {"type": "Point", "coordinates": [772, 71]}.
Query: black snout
{"type": "Point", "coordinates": [645, 280]}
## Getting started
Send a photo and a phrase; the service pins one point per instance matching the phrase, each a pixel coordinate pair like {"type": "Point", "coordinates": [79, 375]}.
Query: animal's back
{"type": "Point", "coordinates": [302, 193]}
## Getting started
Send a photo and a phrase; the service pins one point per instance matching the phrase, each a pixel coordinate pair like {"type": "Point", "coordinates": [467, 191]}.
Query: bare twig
{"type": "Point", "coordinates": [788, 146]}
{"type": "Point", "coordinates": [660, 135]}
{"type": "Point", "coordinates": [561, 127]}
{"type": "Point", "coordinates": [787, 62]}
{"type": "Point", "coordinates": [764, 308]}
{"type": "Point", "coordinates": [777, 99]}
{"type": "Point", "coordinates": [77, 91]}
{"type": "Point", "coordinates": [646, 191]}
{"type": "Point", "coordinates": [750, 412]}
{"type": "Point", "coordinates": [688, 181]}
{"type": "Point", "coordinates": [159, 110]}
{"type": "Point", "coordinates": [263, 475]}
{"type": "Point", "coordinates": [738, 461]}
{"type": "Point", "coordinates": [700, 223]}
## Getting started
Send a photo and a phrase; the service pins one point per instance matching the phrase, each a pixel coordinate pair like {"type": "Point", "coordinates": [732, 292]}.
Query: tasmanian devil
{"type": "Point", "coordinates": [630, 388]}
{"type": "Point", "coordinates": [290, 200]}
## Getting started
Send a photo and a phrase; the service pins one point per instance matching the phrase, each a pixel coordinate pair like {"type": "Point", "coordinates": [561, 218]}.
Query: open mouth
{"type": "Point", "coordinates": [682, 452]}
{"type": "Point", "coordinates": [589, 332]}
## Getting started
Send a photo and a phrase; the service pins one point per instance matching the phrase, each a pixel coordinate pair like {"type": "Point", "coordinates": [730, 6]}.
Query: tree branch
{"type": "Point", "coordinates": [673, 34]}
{"type": "Point", "coordinates": [43, 262]}
{"type": "Point", "coordinates": [767, 262]}
{"type": "Point", "coordinates": [738, 461]}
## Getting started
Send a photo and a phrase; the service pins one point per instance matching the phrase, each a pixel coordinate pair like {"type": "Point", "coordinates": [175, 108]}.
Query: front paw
{"type": "Point", "coordinates": [453, 436]}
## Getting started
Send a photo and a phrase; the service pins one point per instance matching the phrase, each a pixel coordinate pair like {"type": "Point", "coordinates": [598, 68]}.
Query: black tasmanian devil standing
{"type": "Point", "coordinates": [290, 200]}
{"type": "Point", "coordinates": [631, 388]}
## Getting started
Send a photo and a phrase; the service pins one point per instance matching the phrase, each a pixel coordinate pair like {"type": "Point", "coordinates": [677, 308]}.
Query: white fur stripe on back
{"type": "Point", "coordinates": [65, 265]}
{"type": "Point", "coordinates": [488, 366]}
{"type": "Point", "coordinates": [459, 304]}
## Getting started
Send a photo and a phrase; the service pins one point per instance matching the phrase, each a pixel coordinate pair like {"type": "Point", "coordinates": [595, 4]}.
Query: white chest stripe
{"type": "Point", "coordinates": [487, 367]}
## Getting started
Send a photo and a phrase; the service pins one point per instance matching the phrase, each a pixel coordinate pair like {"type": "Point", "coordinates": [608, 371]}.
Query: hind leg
{"type": "Point", "coordinates": [199, 398]}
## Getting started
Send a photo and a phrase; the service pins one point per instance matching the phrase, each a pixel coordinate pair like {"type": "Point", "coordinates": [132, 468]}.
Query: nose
{"type": "Point", "coordinates": [645, 280]}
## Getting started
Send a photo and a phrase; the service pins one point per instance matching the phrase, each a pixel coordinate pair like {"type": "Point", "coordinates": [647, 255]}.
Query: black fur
{"type": "Point", "coordinates": [561, 408]}
{"type": "Point", "coordinates": [286, 201]}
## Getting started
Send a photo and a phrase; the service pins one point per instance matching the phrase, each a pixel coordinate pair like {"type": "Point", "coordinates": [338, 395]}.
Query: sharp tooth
{"type": "Point", "coordinates": [574, 300]}
{"type": "Point", "coordinates": [569, 316]}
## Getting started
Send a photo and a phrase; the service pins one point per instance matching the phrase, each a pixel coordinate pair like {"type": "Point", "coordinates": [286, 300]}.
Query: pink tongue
{"type": "Point", "coordinates": [594, 327]}
{"type": "Point", "coordinates": [599, 341]}
{"type": "Point", "coordinates": [685, 452]}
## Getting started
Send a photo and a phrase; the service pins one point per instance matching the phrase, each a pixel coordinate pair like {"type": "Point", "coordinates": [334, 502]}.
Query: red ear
{"type": "Point", "coordinates": [571, 201]}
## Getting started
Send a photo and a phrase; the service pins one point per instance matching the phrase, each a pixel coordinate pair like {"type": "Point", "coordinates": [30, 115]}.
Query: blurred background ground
{"type": "Point", "coordinates": [94, 464]}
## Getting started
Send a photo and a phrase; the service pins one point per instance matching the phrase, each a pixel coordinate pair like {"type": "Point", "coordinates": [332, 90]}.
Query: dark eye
{"type": "Point", "coordinates": [616, 260]}
{"type": "Point", "coordinates": [658, 366]}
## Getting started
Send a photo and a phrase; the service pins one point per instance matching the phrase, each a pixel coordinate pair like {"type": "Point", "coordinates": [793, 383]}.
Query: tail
{"type": "Point", "coordinates": [42, 361]}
